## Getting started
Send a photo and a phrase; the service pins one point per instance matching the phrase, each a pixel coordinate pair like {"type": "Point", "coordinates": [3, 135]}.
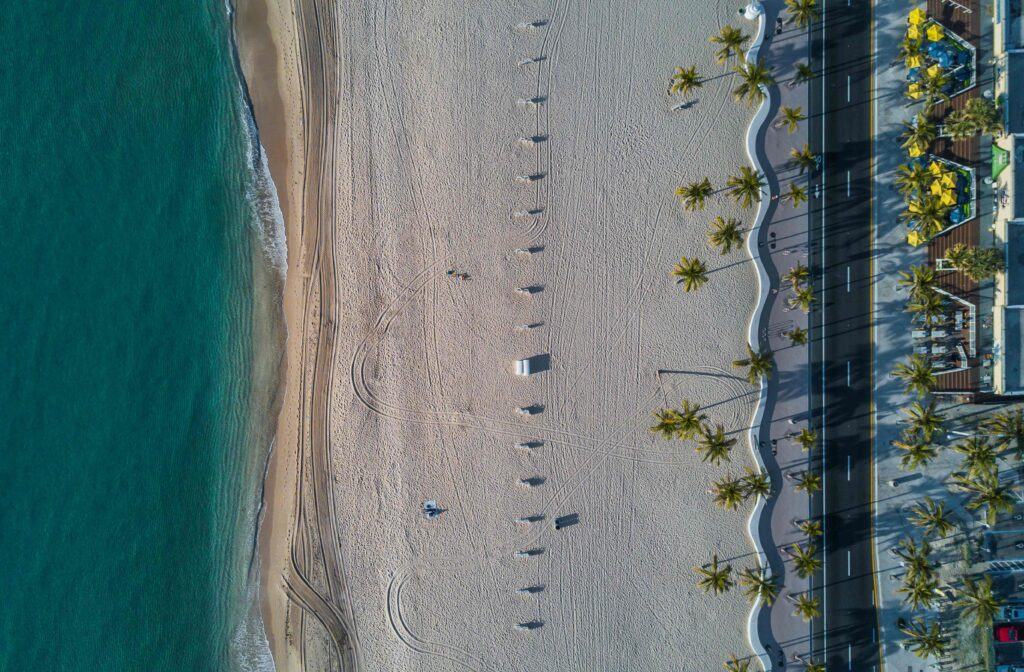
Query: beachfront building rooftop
{"type": "Point", "coordinates": [1007, 175]}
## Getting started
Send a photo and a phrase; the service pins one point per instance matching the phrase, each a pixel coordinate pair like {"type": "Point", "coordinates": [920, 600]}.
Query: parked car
{"type": "Point", "coordinates": [1011, 612]}
{"type": "Point", "coordinates": [1009, 668]}
{"type": "Point", "coordinates": [1007, 633]}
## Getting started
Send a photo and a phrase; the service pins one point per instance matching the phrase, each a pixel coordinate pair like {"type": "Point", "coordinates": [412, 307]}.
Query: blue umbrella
{"type": "Point", "coordinates": [956, 216]}
{"type": "Point", "coordinates": [914, 74]}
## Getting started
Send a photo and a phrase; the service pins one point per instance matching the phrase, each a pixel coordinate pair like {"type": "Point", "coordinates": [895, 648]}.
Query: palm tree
{"type": "Point", "coordinates": [667, 425]}
{"type": "Point", "coordinates": [917, 451]}
{"type": "Point", "coordinates": [725, 234]}
{"type": "Point", "coordinates": [797, 275]}
{"type": "Point", "coordinates": [958, 125]}
{"type": "Point", "coordinates": [802, 298]}
{"type": "Point", "coordinates": [810, 527]}
{"type": "Point", "coordinates": [980, 456]}
{"type": "Point", "coordinates": [924, 639]}
{"type": "Point", "coordinates": [931, 308]}
{"type": "Point", "coordinates": [797, 335]}
{"type": "Point", "coordinates": [919, 591]}
{"type": "Point", "coordinates": [985, 114]}
{"type": "Point", "coordinates": [935, 88]}
{"type": "Point", "coordinates": [976, 599]}
{"type": "Point", "coordinates": [917, 375]}
{"type": "Point", "coordinates": [730, 41]}
{"type": "Point", "coordinates": [958, 256]}
{"type": "Point", "coordinates": [716, 579]}
{"type": "Point", "coordinates": [807, 607]}
{"type": "Point", "coordinates": [927, 214]}
{"type": "Point", "coordinates": [758, 364]}
{"type": "Point", "coordinates": [919, 131]}
{"type": "Point", "coordinates": [915, 557]}
{"type": "Point", "coordinates": [814, 666]}
{"type": "Point", "coordinates": [932, 517]}
{"type": "Point", "coordinates": [685, 80]}
{"type": "Point", "coordinates": [757, 484]}
{"type": "Point", "coordinates": [759, 586]}
{"type": "Point", "coordinates": [808, 482]}
{"type": "Point", "coordinates": [714, 446]}
{"type": "Point", "coordinates": [909, 48]}
{"type": "Point", "coordinates": [695, 194]}
{"type": "Point", "coordinates": [989, 493]}
{"type": "Point", "coordinates": [755, 78]}
{"type": "Point", "coordinates": [807, 438]}
{"type": "Point", "coordinates": [734, 664]}
{"type": "Point", "coordinates": [924, 420]}
{"type": "Point", "coordinates": [1008, 427]}
{"type": "Point", "coordinates": [913, 179]}
{"type": "Point", "coordinates": [804, 73]}
{"type": "Point", "coordinates": [692, 273]}
{"type": "Point", "coordinates": [729, 493]}
{"type": "Point", "coordinates": [790, 117]}
{"type": "Point", "coordinates": [920, 280]}
{"type": "Point", "coordinates": [690, 422]}
{"type": "Point", "coordinates": [746, 187]}
{"type": "Point", "coordinates": [802, 12]}
{"type": "Point", "coordinates": [796, 194]}
{"type": "Point", "coordinates": [804, 159]}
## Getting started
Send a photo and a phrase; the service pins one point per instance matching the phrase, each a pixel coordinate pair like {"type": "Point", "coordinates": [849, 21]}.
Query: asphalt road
{"type": "Point", "coordinates": [841, 104]}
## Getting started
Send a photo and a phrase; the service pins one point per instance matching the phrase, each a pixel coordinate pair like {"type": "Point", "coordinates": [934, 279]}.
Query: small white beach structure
{"type": "Point", "coordinates": [753, 10]}
{"type": "Point", "coordinates": [523, 367]}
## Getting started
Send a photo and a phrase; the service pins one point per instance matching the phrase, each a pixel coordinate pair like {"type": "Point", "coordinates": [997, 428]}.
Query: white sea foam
{"type": "Point", "coordinates": [250, 650]}
{"type": "Point", "coordinates": [261, 192]}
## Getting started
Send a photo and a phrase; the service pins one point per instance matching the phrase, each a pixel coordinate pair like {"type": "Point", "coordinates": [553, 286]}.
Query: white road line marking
{"type": "Point", "coordinates": [847, 88]}
{"type": "Point", "coordinates": [874, 636]}
{"type": "Point", "coordinates": [848, 563]}
{"type": "Point", "coordinates": [847, 278]}
{"type": "Point", "coordinates": [824, 427]}
{"type": "Point", "coordinates": [849, 463]}
{"type": "Point", "coordinates": [849, 656]}
{"type": "Point", "coordinates": [847, 175]}
{"type": "Point", "coordinates": [848, 384]}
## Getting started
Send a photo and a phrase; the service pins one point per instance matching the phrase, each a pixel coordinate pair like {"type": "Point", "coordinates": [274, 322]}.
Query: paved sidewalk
{"type": "Point", "coordinates": [783, 244]}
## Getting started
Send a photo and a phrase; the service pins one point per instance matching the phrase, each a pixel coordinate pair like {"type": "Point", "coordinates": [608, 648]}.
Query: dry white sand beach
{"type": "Point", "coordinates": [392, 129]}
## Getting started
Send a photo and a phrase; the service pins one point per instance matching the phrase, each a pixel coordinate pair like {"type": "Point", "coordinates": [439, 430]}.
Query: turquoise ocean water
{"type": "Point", "coordinates": [135, 289]}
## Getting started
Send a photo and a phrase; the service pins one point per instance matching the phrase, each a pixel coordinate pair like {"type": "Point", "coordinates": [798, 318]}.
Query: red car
{"type": "Point", "coordinates": [1007, 633]}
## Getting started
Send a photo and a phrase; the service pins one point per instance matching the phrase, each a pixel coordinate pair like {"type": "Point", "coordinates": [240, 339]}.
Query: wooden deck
{"type": "Point", "coordinates": [966, 25]}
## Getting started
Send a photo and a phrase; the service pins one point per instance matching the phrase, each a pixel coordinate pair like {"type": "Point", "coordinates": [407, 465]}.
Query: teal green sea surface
{"type": "Point", "coordinates": [134, 291]}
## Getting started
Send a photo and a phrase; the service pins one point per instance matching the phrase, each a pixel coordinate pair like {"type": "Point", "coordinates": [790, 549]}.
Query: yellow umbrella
{"type": "Point", "coordinates": [914, 238]}
{"type": "Point", "coordinates": [914, 90]}
{"type": "Point", "coordinates": [948, 198]}
{"type": "Point", "coordinates": [913, 207]}
{"type": "Point", "coordinates": [935, 32]}
{"type": "Point", "coordinates": [935, 168]}
{"type": "Point", "coordinates": [948, 180]}
{"type": "Point", "coordinates": [913, 33]}
{"type": "Point", "coordinates": [934, 70]}
{"type": "Point", "coordinates": [936, 188]}
{"type": "Point", "coordinates": [914, 61]}
{"type": "Point", "coordinates": [915, 151]}
{"type": "Point", "coordinates": [917, 17]}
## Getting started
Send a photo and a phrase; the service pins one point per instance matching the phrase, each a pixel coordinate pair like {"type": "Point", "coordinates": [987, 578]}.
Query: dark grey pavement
{"type": "Point", "coordinates": [841, 328]}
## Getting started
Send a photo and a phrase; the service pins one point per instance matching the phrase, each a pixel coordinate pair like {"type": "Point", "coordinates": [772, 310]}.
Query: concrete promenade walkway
{"type": "Point", "coordinates": [783, 244]}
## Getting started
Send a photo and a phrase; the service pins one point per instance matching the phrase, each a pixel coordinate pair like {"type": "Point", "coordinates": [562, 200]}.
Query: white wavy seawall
{"type": "Point", "coordinates": [763, 284]}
